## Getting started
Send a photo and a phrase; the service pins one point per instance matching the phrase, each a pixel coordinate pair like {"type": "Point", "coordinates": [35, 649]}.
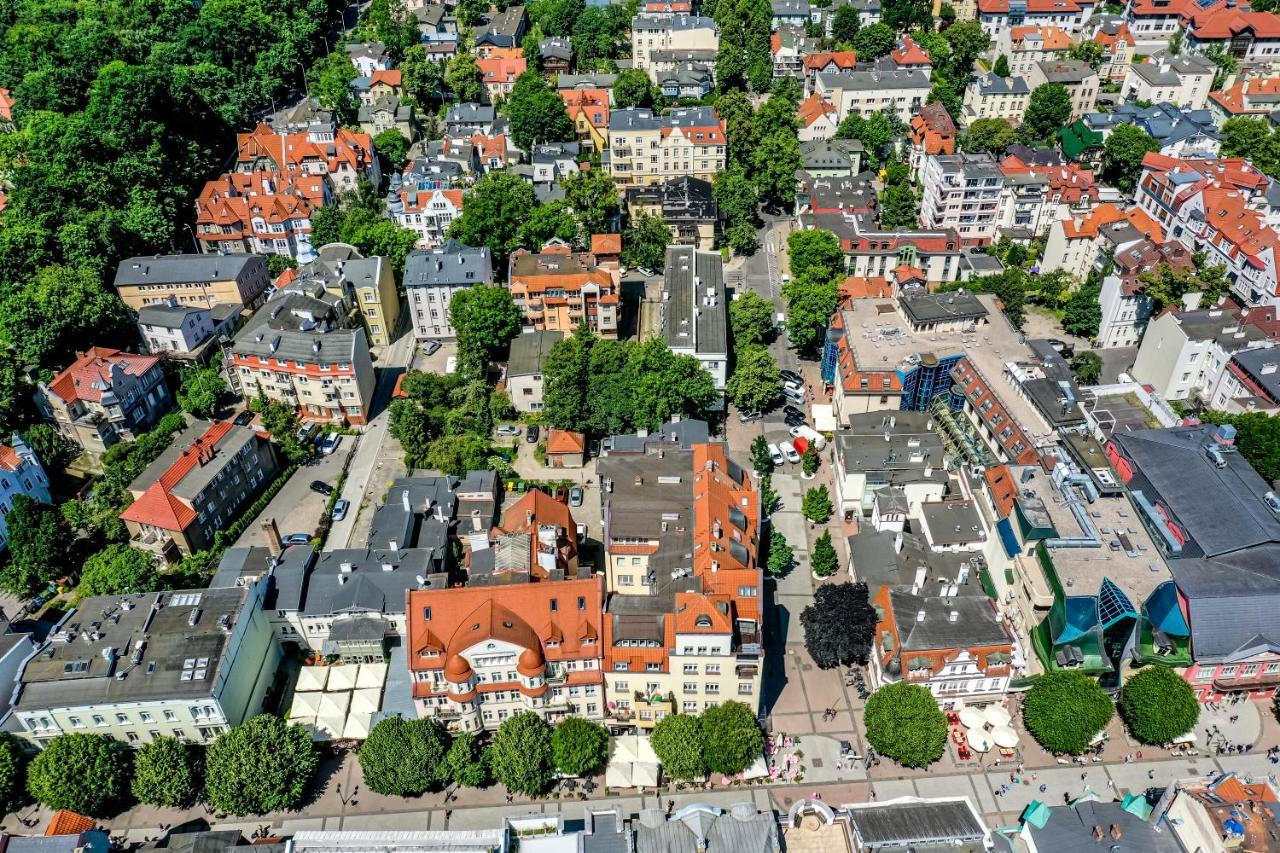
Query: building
{"type": "Point", "coordinates": [1183, 353]}
{"type": "Point", "coordinates": [1181, 132]}
{"type": "Point", "coordinates": [1249, 36]}
{"type": "Point", "coordinates": [367, 285]}
{"type": "Point", "coordinates": [932, 133]}
{"type": "Point", "coordinates": [828, 62]}
{"type": "Point", "coordinates": [428, 212]}
{"type": "Point", "coordinates": [1126, 308]}
{"type": "Point", "coordinates": [1079, 78]}
{"type": "Point", "coordinates": [686, 142]}
{"type": "Point", "coordinates": [499, 71]}
{"type": "Point", "coordinates": [879, 452]}
{"type": "Point", "coordinates": [701, 828]}
{"type": "Point", "coordinates": [1026, 46]}
{"type": "Point", "coordinates": [914, 822]}
{"type": "Point", "coordinates": [588, 109]}
{"type": "Point", "coordinates": [962, 192]}
{"type": "Point", "coordinates": [524, 368]}
{"type": "Point", "coordinates": [866, 93]}
{"type": "Point", "coordinates": [381, 84]}
{"type": "Point", "coordinates": [875, 253]}
{"type": "Point", "coordinates": [1122, 826]}
{"type": "Point", "coordinates": [1076, 244]}
{"type": "Point", "coordinates": [1035, 196]}
{"type": "Point", "coordinates": [387, 113]}
{"type": "Point", "coordinates": [20, 474]}
{"type": "Point", "coordinates": [205, 280]}
{"type": "Point", "coordinates": [1249, 383]}
{"type": "Point", "coordinates": [989, 96]}
{"type": "Point", "coordinates": [339, 154]}
{"type": "Point", "coordinates": [1257, 96]}
{"type": "Point", "coordinates": [831, 158]}
{"type": "Point", "coordinates": [183, 664]}
{"type": "Point", "coordinates": [817, 119]}
{"type": "Point", "coordinates": [296, 351]}
{"type": "Point", "coordinates": [674, 32]}
{"type": "Point", "coordinates": [998, 17]}
{"type": "Point", "coordinates": [559, 289]}
{"type": "Point", "coordinates": [1181, 80]}
{"type": "Point", "coordinates": [198, 486]}
{"type": "Point", "coordinates": [266, 212]}
{"type": "Point", "coordinates": [695, 312]}
{"type": "Point", "coordinates": [368, 57]}
{"type": "Point", "coordinates": [1117, 49]}
{"type": "Point", "coordinates": [105, 396]}
{"type": "Point", "coordinates": [466, 119]}
{"type": "Point", "coordinates": [432, 278]}
{"type": "Point", "coordinates": [503, 31]}
{"type": "Point", "coordinates": [555, 55]}
{"type": "Point", "coordinates": [686, 204]}
{"type": "Point", "coordinates": [685, 80]}
{"type": "Point", "coordinates": [183, 330]}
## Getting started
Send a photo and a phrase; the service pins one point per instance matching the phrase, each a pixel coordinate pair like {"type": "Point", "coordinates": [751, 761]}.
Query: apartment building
{"type": "Point", "coordinates": [205, 280]}
{"type": "Point", "coordinates": [559, 289]}
{"type": "Point", "coordinates": [267, 212]}
{"type": "Point", "coordinates": [1075, 244]}
{"type": "Point", "coordinates": [817, 119]}
{"type": "Point", "coordinates": [687, 205]}
{"type": "Point", "coordinates": [682, 627]}
{"type": "Point", "coordinates": [524, 368]}
{"type": "Point", "coordinates": [932, 133]}
{"type": "Point", "coordinates": [1182, 80]}
{"type": "Point", "coordinates": [381, 84]}
{"type": "Point", "coordinates": [872, 252]}
{"type": "Point", "coordinates": [188, 664]}
{"type": "Point", "coordinates": [429, 212]}
{"type": "Point", "coordinates": [999, 17]}
{"type": "Point", "coordinates": [180, 330]}
{"type": "Point", "coordinates": [670, 32]}
{"type": "Point", "coordinates": [1117, 49]}
{"type": "Point", "coordinates": [1258, 96]}
{"type": "Point", "coordinates": [432, 278]}
{"type": "Point", "coordinates": [1126, 308]}
{"type": "Point", "coordinates": [962, 192]}
{"type": "Point", "coordinates": [1248, 36]}
{"type": "Point", "coordinates": [198, 486]}
{"type": "Point", "coordinates": [1036, 196]}
{"type": "Point", "coordinates": [865, 93]}
{"type": "Point", "coordinates": [1181, 132]}
{"type": "Point", "coordinates": [338, 154]}
{"type": "Point", "coordinates": [369, 57]}
{"type": "Point", "coordinates": [365, 285]}
{"type": "Point", "coordinates": [646, 149]}
{"type": "Point", "coordinates": [105, 396]}
{"type": "Point", "coordinates": [20, 474]}
{"type": "Point", "coordinates": [1249, 383]}
{"type": "Point", "coordinates": [695, 312]}
{"type": "Point", "coordinates": [989, 96]}
{"type": "Point", "coordinates": [1024, 47]}
{"type": "Point", "coordinates": [894, 452]}
{"type": "Point", "coordinates": [588, 109]}
{"type": "Point", "coordinates": [296, 351]}
{"type": "Point", "coordinates": [1079, 78]}
{"type": "Point", "coordinates": [500, 70]}
{"type": "Point", "coordinates": [1183, 353]}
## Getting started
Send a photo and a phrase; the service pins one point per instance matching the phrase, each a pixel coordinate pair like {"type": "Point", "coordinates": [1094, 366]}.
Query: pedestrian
{"type": "Point", "coordinates": [1084, 775]}
{"type": "Point", "coordinates": [1043, 788]}
{"type": "Point", "coordinates": [1151, 774]}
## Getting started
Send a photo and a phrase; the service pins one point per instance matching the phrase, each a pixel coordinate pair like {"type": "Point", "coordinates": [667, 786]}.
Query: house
{"type": "Point", "coordinates": [833, 158]}
{"type": "Point", "coordinates": [1076, 244]}
{"type": "Point", "coordinates": [686, 80]}
{"type": "Point", "coordinates": [197, 487]}
{"type": "Point", "coordinates": [828, 62]}
{"type": "Point", "coordinates": [1035, 196]}
{"type": "Point", "coordinates": [1181, 132]}
{"type": "Point", "coordinates": [608, 250]}
{"type": "Point", "coordinates": [676, 32]}
{"type": "Point", "coordinates": [932, 133]}
{"type": "Point", "coordinates": [196, 663]}
{"type": "Point", "coordinates": [817, 119]}
{"type": "Point", "coordinates": [695, 312]}
{"type": "Point", "coordinates": [555, 55]}
{"type": "Point", "coordinates": [1117, 49]}
{"type": "Point", "coordinates": [1181, 80]}
{"type": "Point", "coordinates": [1026, 46]}
{"type": "Point", "coordinates": [558, 290]}
{"type": "Point", "coordinates": [204, 280]}
{"type": "Point", "coordinates": [566, 449]}
{"type": "Point", "coordinates": [466, 119]}
{"type": "Point", "coordinates": [869, 12]}
{"type": "Point", "coordinates": [1249, 383]}
{"type": "Point", "coordinates": [588, 109]}
{"type": "Point", "coordinates": [1257, 96]}
{"type": "Point", "coordinates": [989, 96]}
{"type": "Point", "coordinates": [1079, 78]}
{"type": "Point", "coordinates": [524, 368]}
{"type": "Point", "coordinates": [323, 149]}
{"type": "Point", "coordinates": [962, 192]}
{"type": "Point", "coordinates": [178, 330]}
{"type": "Point", "coordinates": [872, 251]}
{"type": "Point", "coordinates": [999, 17]}
{"type": "Point", "coordinates": [789, 45]}
{"type": "Point", "coordinates": [1126, 308]}
{"type": "Point", "coordinates": [499, 71]}
{"type": "Point", "coordinates": [907, 54]}
{"type": "Point", "coordinates": [429, 212]}
{"type": "Point", "coordinates": [866, 93]}
{"type": "Point", "coordinates": [1183, 353]}
{"type": "Point", "coordinates": [367, 285]}
{"type": "Point", "coordinates": [387, 113]}
{"type": "Point", "coordinates": [909, 462]}
{"type": "Point", "coordinates": [296, 351]}
{"type": "Point", "coordinates": [1250, 36]}
{"type": "Point", "coordinates": [682, 628]}
{"type": "Point", "coordinates": [381, 84]}
{"type": "Point", "coordinates": [504, 31]}
{"type": "Point", "coordinates": [264, 212]}
{"type": "Point", "coordinates": [368, 57]}
{"type": "Point", "coordinates": [565, 82]}
{"type": "Point", "coordinates": [686, 204]}
{"type": "Point", "coordinates": [438, 29]}
{"type": "Point", "coordinates": [791, 13]}
{"type": "Point", "coordinates": [20, 474]}
{"type": "Point", "coordinates": [105, 396]}
{"type": "Point", "coordinates": [1086, 821]}
{"type": "Point", "coordinates": [432, 278]}
{"type": "Point", "coordinates": [903, 821]}
{"type": "Point", "coordinates": [687, 142]}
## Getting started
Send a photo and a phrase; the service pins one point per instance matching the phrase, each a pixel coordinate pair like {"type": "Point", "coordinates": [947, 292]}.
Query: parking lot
{"type": "Point", "coordinates": [296, 508]}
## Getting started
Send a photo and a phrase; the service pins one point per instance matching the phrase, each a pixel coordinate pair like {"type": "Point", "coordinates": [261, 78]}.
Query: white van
{"type": "Point", "coordinates": [816, 439]}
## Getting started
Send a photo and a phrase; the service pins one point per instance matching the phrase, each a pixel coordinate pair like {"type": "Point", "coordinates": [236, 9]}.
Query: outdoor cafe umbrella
{"type": "Point", "coordinates": [973, 718]}
{"type": "Point", "coordinates": [1004, 736]}
{"type": "Point", "coordinates": [996, 715]}
{"type": "Point", "coordinates": [979, 740]}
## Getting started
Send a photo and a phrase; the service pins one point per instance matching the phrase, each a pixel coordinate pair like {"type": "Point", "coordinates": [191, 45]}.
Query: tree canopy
{"type": "Point", "coordinates": [1257, 437]}
{"type": "Point", "coordinates": [751, 319]}
{"type": "Point", "coordinates": [678, 741]}
{"type": "Point", "coordinates": [263, 765]}
{"type": "Point", "coordinates": [405, 758]}
{"type": "Point", "coordinates": [164, 774]}
{"type": "Point", "coordinates": [520, 754]}
{"type": "Point", "coordinates": [11, 765]}
{"type": "Point", "coordinates": [1122, 154]}
{"type": "Point", "coordinates": [485, 319]}
{"type": "Point", "coordinates": [40, 547]}
{"type": "Point", "coordinates": [754, 385]}
{"type": "Point", "coordinates": [992, 135]}
{"type": "Point", "coordinates": [119, 570]}
{"type": "Point", "coordinates": [579, 746]}
{"type": "Point", "coordinates": [732, 739]}
{"type": "Point", "coordinates": [493, 213]}
{"type": "Point", "coordinates": [645, 242]}
{"type": "Point", "coordinates": [1048, 110]}
{"type": "Point", "coordinates": [85, 773]}
{"type": "Point", "coordinates": [815, 253]}
{"type": "Point", "coordinates": [824, 561]}
{"type": "Point", "coordinates": [1159, 705]}
{"type": "Point", "coordinates": [905, 723]}
{"type": "Point", "coordinates": [1064, 710]}
{"type": "Point", "coordinates": [840, 624]}
{"type": "Point", "coordinates": [537, 113]}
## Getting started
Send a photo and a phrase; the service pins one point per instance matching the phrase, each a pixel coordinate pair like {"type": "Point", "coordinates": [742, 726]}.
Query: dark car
{"type": "Point", "coordinates": [297, 539]}
{"type": "Point", "coordinates": [244, 418]}
{"type": "Point", "coordinates": [322, 487]}
{"type": "Point", "coordinates": [792, 376]}
{"type": "Point", "coordinates": [531, 434]}
{"type": "Point", "coordinates": [794, 420]}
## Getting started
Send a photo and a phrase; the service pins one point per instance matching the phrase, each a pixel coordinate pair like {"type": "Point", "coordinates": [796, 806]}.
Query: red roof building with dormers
{"type": "Point", "coordinates": [263, 212]}
{"type": "Point", "coordinates": [500, 70]}
{"type": "Point", "coordinates": [907, 54]}
{"type": "Point", "coordinates": [105, 395]}
{"type": "Point", "coordinates": [342, 155]}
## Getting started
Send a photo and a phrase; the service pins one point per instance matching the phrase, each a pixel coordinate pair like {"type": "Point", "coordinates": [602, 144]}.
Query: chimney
{"type": "Point", "coordinates": [272, 534]}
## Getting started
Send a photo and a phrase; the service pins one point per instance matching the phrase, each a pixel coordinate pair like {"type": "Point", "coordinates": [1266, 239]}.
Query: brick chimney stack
{"type": "Point", "coordinates": [272, 534]}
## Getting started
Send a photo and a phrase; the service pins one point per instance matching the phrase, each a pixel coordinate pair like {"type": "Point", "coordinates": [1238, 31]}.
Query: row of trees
{"type": "Point", "coordinates": [817, 267]}
{"type": "Point", "coordinates": [725, 738]}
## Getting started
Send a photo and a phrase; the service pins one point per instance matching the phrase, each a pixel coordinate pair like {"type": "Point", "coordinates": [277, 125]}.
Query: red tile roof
{"type": "Point", "coordinates": [1036, 7]}
{"type": "Point", "coordinates": [289, 151]}
{"type": "Point", "coordinates": [392, 77]}
{"type": "Point", "coordinates": [591, 104]}
{"type": "Point", "coordinates": [933, 130]}
{"type": "Point", "coordinates": [67, 822]}
{"type": "Point", "coordinates": [237, 198]}
{"type": "Point", "coordinates": [6, 105]}
{"type": "Point", "coordinates": [858, 287]}
{"type": "Point", "coordinates": [842, 59]}
{"type": "Point", "coordinates": [1235, 100]}
{"type": "Point", "coordinates": [90, 373]}
{"type": "Point", "coordinates": [1070, 183]}
{"type": "Point", "coordinates": [907, 53]}
{"type": "Point", "coordinates": [502, 68]}
{"type": "Point", "coordinates": [1049, 38]}
{"type": "Point", "coordinates": [1121, 34]}
{"type": "Point", "coordinates": [157, 506]}
{"type": "Point", "coordinates": [1225, 25]}
{"type": "Point", "coordinates": [606, 244]}
{"type": "Point", "coordinates": [9, 458]}
{"type": "Point", "coordinates": [814, 108]}
{"type": "Point", "coordinates": [565, 441]}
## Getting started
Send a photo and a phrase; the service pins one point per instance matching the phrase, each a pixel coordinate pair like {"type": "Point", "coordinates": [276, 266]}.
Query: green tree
{"type": "Point", "coordinates": [633, 88]}
{"type": "Point", "coordinates": [47, 319]}
{"type": "Point", "coordinates": [816, 504]}
{"type": "Point", "coordinates": [1246, 136]}
{"type": "Point", "coordinates": [164, 774]}
{"type": "Point", "coordinates": [824, 560]}
{"type": "Point", "coordinates": [662, 384]}
{"type": "Point", "coordinates": [751, 319]}
{"type": "Point", "coordinates": [731, 737]}
{"type": "Point", "coordinates": [11, 765]}
{"type": "Point", "coordinates": [898, 208]}
{"type": "Point", "coordinates": [485, 319]}
{"type": "Point", "coordinates": [874, 41]}
{"type": "Point", "coordinates": [39, 547]}
{"type": "Point", "coordinates": [735, 110]}
{"type": "Point", "coordinates": [946, 93]}
{"type": "Point", "coordinates": [552, 221]}
{"type": "Point", "coordinates": [566, 375]}
{"type": "Point", "coordinates": [537, 113]}
{"type": "Point", "coordinates": [54, 450]}
{"type": "Point", "coordinates": [1048, 110]}
{"type": "Point", "coordinates": [1088, 51]}
{"type": "Point", "coordinates": [521, 754]}
{"type": "Point", "coordinates": [781, 557]}
{"type": "Point", "coordinates": [904, 15]}
{"type": "Point", "coordinates": [393, 148]}
{"type": "Point", "coordinates": [85, 773]}
{"type": "Point", "coordinates": [816, 254]}
{"type": "Point", "coordinates": [777, 159]}
{"type": "Point", "coordinates": [840, 625]}
{"type": "Point", "coordinates": [405, 758]}
{"type": "Point", "coordinates": [1257, 436]}
{"type": "Point", "coordinates": [754, 385]}
{"type": "Point", "coordinates": [905, 723]}
{"type": "Point", "coordinates": [645, 242]}
{"type": "Point", "coordinates": [463, 78]}
{"type": "Point", "coordinates": [1122, 154]}
{"type": "Point", "coordinates": [329, 82]}
{"type": "Point", "coordinates": [741, 238]}
{"type": "Point", "coordinates": [761, 460]}
{"type": "Point", "coordinates": [679, 743]}
{"type": "Point", "coordinates": [455, 455]}
{"type": "Point", "coordinates": [968, 41]}
{"type": "Point", "coordinates": [610, 399]}
{"type": "Point", "coordinates": [1083, 312]}
{"type": "Point", "coordinates": [810, 460]}
{"type": "Point", "coordinates": [579, 746]}
{"type": "Point", "coordinates": [738, 198]}
{"type": "Point", "coordinates": [200, 391]}
{"type": "Point", "coordinates": [1064, 710]}
{"type": "Point", "coordinates": [1087, 367]}
{"type": "Point", "coordinates": [1167, 286]}
{"type": "Point", "coordinates": [1001, 68]}
{"type": "Point", "coordinates": [875, 133]}
{"type": "Point", "coordinates": [263, 765]}
{"type": "Point", "coordinates": [493, 212]}
{"type": "Point", "coordinates": [593, 196]}
{"type": "Point", "coordinates": [119, 570]}
{"type": "Point", "coordinates": [467, 762]}
{"type": "Point", "coordinates": [422, 77]}
{"type": "Point", "coordinates": [810, 302]}
{"type": "Point", "coordinates": [1159, 705]}
{"type": "Point", "coordinates": [845, 26]}
{"type": "Point", "coordinates": [992, 135]}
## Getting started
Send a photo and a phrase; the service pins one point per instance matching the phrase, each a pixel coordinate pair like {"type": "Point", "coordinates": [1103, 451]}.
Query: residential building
{"type": "Point", "coordinates": [20, 474]}
{"type": "Point", "coordinates": [504, 31]}
{"type": "Point", "coordinates": [105, 396]}
{"type": "Point", "coordinates": [565, 82]}
{"type": "Point", "coordinates": [566, 449]}
{"type": "Point", "coordinates": [1117, 50]}
{"type": "Point", "coordinates": [828, 62]}
{"type": "Point", "coordinates": [675, 32]}
{"type": "Point", "coordinates": [1181, 80]}
{"type": "Point", "coordinates": [908, 54]}
{"type": "Point", "coordinates": [559, 289]}
{"type": "Point", "coordinates": [387, 113]}
{"type": "Point", "coordinates": [381, 84]}
{"type": "Point", "coordinates": [998, 17]}
{"type": "Point", "coordinates": [682, 627]}
{"type": "Point", "coordinates": [555, 55]}
{"type": "Point", "coordinates": [524, 368]}
{"type": "Point", "coordinates": [885, 452]}
{"type": "Point", "coordinates": [1153, 22]}
{"type": "Point", "coordinates": [1026, 46]}
{"type": "Point", "coordinates": [1183, 353]}
{"type": "Point", "coordinates": [647, 149]}
{"type": "Point", "coordinates": [296, 351]}
{"type": "Point", "coordinates": [499, 70]}
{"type": "Point", "coordinates": [873, 252]}
{"type": "Point", "coordinates": [1257, 96]}
{"type": "Point", "coordinates": [204, 280]}
{"type": "Point", "coordinates": [962, 192]}
{"type": "Point", "coordinates": [265, 212]}
{"type": "Point", "coordinates": [866, 93]}
{"type": "Point", "coordinates": [789, 46]}
{"type": "Point", "coordinates": [686, 204]}
{"type": "Point", "coordinates": [695, 312]}
{"type": "Point", "coordinates": [1248, 36]}
{"type": "Point", "coordinates": [1034, 196]}
{"type": "Point", "coordinates": [685, 80]}
{"type": "Point", "coordinates": [197, 487]}
{"type": "Point", "coordinates": [1181, 132]}
{"type": "Point", "coordinates": [339, 154]}
{"type": "Point", "coordinates": [1126, 308]}
{"type": "Point", "coordinates": [817, 119]}
{"type": "Point", "coordinates": [793, 13]}
{"type": "Point", "coordinates": [184, 664]}
{"type": "Point", "coordinates": [368, 57]}
{"type": "Point", "coordinates": [1076, 244]}
{"type": "Point", "coordinates": [989, 96]}
{"type": "Point", "coordinates": [180, 330]}
{"type": "Point", "coordinates": [869, 12]}
{"type": "Point", "coordinates": [1079, 78]}
{"type": "Point", "coordinates": [467, 119]}
{"type": "Point", "coordinates": [1090, 820]}
{"type": "Point", "coordinates": [932, 133]}
{"type": "Point", "coordinates": [432, 278]}
{"type": "Point", "coordinates": [831, 158]}
{"type": "Point", "coordinates": [588, 109]}
{"type": "Point", "coordinates": [1249, 383]}
{"type": "Point", "coordinates": [366, 284]}
{"type": "Point", "coordinates": [438, 29]}
{"type": "Point", "coordinates": [429, 212]}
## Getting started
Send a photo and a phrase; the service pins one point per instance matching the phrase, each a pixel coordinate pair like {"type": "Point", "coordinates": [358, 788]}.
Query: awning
{"type": "Point", "coordinates": [311, 678]}
{"type": "Point", "coordinates": [305, 705]}
{"type": "Point", "coordinates": [343, 677]}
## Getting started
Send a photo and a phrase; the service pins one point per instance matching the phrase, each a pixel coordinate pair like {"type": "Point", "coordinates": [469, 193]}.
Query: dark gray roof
{"type": "Point", "coordinates": [914, 825]}
{"type": "Point", "coordinates": [364, 579]}
{"type": "Point", "coordinates": [297, 326]}
{"type": "Point", "coordinates": [469, 113]}
{"type": "Point", "coordinates": [912, 447]}
{"type": "Point", "coordinates": [253, 561]}
{"type": "Point", "coordinates": [412, 504]}
{"type": "Point", "coordinates": [952, 522]}
{"type": "Point", "coordinates": [1066, 71]}
{"type": "Point", "coordinates": [659, 57]}
{"type": "Point", "coordinates": [671, 22]}
{"type": "Point", "coordinates": [556, 48]}
{"type": "Point", "coordinates": [875, 81]}
{"type": "Point", "coordinates": [949, 623]}
{"type": "Point", "coordinates": [449, 264]}
{"type": "Point", "coordinates": [586, 81]}
{"type": "Point", "coordinates": [1220, 326]}
{"type": "Point", "coordinates": [92, 841]}
{"type": "Point", "coordinates": [695, 314]}
{"type": "Point", "coordinates": [1263, 366]}
{"type": "Point", "coordinates": [699, 828]}
{"type": "Point", "coordinates": [171, 269]}
{"type": "Point", "coordinates": [529, 350]}
{"type": "Point", "coordinates": [825, 154]}
{"type": "Point", "coordinates": [990, 84]}
{"type": "Point", "coordinates": [401, 110]}
{"type": "Point", "coordinates": [217, 841]}
{"type": "Point", "coordinates": [169, 316]}
{"type": "Point", "coordinates": [937, 307]}
{"type": "Point", "coordinates": [1070, 830]}
{"type": "Point", "coordinates": [606, 831]}
{"type": "Point", "coordinates": [1233, 602]}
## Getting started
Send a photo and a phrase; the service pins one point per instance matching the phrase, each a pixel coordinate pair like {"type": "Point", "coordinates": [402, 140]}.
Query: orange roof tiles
{"type": "Point", "coordinates": [6, 105]}
{"type": "Point", "coordinates": [237, 198]}
{"type": "Point", "coordinates": [1235, 223]}
{"type": "Point", "coordinates": [502, 67]}
{"type": "Point", "coordinates": [697, 613]}
{"type": "Point", "coordinates": [565, 441]}
{"type": "Point", "coordinates": [1121, 34]}
{"type": "Point", "coordinates": [1004, 491]}
{"type": "Point", "coordinates": [1036, 7]}
{"type": "Point", "coordinates": [1235, 99]}
{"type": "Point", "coordinates": [289, 151]}
{"type": "Point", "coordinates": [606, 244]}
{"type": "Point", "coordinates": [814, 108]}
{"type": "Point", "coordinates": [908, 53]}
{"type": "Point", "coordinates": [933, 129]}
{"type": "Point", "coordinates": [1220, 24]}
{"type": "Point", "coordinates": [90, 373]}
{"type": "Point", "coordinates": [715, 497]}
{"type": "Point", "coordinates": [9, 458]}
{"type": "Point", "coordinates": [844, 60]}
{"type": "Point", "coordinates": [1049, 38]}
{"type": "Point", "coordinates": [590, 104]}
{"type": "Point", "coordinates": [1106, 214]}
{"type": "Point", "coordinates": [157, 506]}
{"type": "Point", "coordinates": [1069, 183]}
{"type": "Point", "coordinates": [391, 77]}
{"type": "Point", "coordinates": [67, 822]}
{"type": "Point", "coordinates": [859, 287]}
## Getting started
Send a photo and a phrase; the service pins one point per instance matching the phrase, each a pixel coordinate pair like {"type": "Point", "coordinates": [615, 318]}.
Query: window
{"type": "Point", "coordinates": [99, 720]}
{"type": "Point", "coordinates": [146, 717]}
{"type": "Point", "coordinates": [76, 722]}
{"type": "Point", "coordinates": [122, 718]}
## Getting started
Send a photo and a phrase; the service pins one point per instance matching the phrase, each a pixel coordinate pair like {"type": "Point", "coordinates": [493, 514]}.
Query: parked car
{"type": "Point", "coordinates": [575, 496]}
{"type": "Point", "coordinates": [811, 435]}
{"type": "Point", "coordinates": [775, 453]}
{"type": "Point", "coordinates": [322, 487]}
{"type": "Point", "coordinates": [791, 395]}
{"type": "Point", "coordinates": [306, 431]}
{"type": "Point", "coordinates": [789, 410]}
{"type": "Point", "coordinates": [789, 388]}
{"type": "Point", "coordinates": [645, 271]}
{"type": "Point", "coordinates": [330, 443]}
{"type": "Point", "coordinates": [431, 347]}
{"type": "Point", "coordinates": [531, 434]}
{"type": "Point", "coordinates": [509, 430]}
{"type": "Point", "coordinates": [244, 418]}
{"type": "Point", "coordinates": [748, 417]}
{"type": "Point", "coordinates": [791, 376]}
{"type": "Point", "coordinates": [297, 539]}
{"type": "Point", "coordinates": [340, 509]}
{"type": "Point", "coordinates": [789, 450]}
{"type": "Point", "coordinates": [793, 419]}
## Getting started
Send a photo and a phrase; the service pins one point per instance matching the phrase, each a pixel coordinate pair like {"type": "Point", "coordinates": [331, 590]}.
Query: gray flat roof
{"type": "Point", "coordinates": [692, 279]}
{"type": "Point", "coordinates": [937, 307]}
{"type": "Point", "coordinates": [952, 522]}
{"type": "Point", "coordinates": [293, 326]}
{"type": "Point", "coordinates": [173, 269]}
{"type": "Point", "coordinates": [529, 350]}
{"type": "Point", "coordinates": [450, 263]}
{"type": "Point", "coordinates": [911, 824]}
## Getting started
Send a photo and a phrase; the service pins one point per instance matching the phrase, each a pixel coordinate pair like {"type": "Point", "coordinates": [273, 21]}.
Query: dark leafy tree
{"type": "Point", "coordinates": [968, 41]}
{"type": "Point", "coordinates": [781, 557]}
{"type": "Point", "coordinates": [1090, 51]}
{"type": "Point", "coordinates": [11, 765]}
{"type": "Point", "coordinates": [905, 723]}
{"type": "Point", "coordinates": [1001, 68]}
{"type": "Point", "coordinates": [392, 146]}
{"type": "Point", "coordinates": [633, 88]}
{"type": "Point", "coordinates": [1087, 366]}
{"type": "Point", "coordinates": [840, 625]}
{"type": "Point", "coordinates": [521, 754]}
{"type": "Point", "coordinates": [537, 113]}
{"type": "Point", "coordinates": [552, 221]}
{"type": "Point", "coordinates": [1122, 154]}
{"type": "Point", "coordinates": [463, 78]}
{"type": "Point", "coordinates": [1083, 312]}
{"type": "Point", "coordinates": [579, 746]}
{"type": "Point", "coordinates": [751, 319]}
{"type": "Point", "coordinates": [739, 200]}
{"type": "Point", "coordinates": [732, 739]}
{"type": "Point", "coordinates": [904, 15]}
{"type": "Point", "coordinates": [663, 384]}
{"type": "Point", "coordinates": [485, 319]}
{"type": "Point", "coordinates": [679, 743]}
{"type": "Point", "coordinates": [119, 570]}
{"type": "Point", "coordinates": [594, 198]}
{"type": "Point", "coordinates": [565, 380]}
{"type": "Point", "coordinates": [54, 450]}
{"type": "Point", "coordinates": [645, 242]}
{"type": "Point", "coordinates": [405, 758]}
{"type": "Point", "coordinates": [824, 560]}
{"type": "Point", "coordinates": [845, 25]}
{"type": "Point", "coordinates": [495, 209]}
{"type": "Point", "coordinates": [263, 765]}
{"type": "Point", "coordinates": [777, 159]}
{"type": "Point", "coordinates": [85, 773]}
{"type": "Point", "coordinates": [946, 92]}
{"type": "Point", "coordinates": [875, 133]}
{"type": "Point", "coordinates": [816, 504]}
{"type": "Point", "coordinates": [1048, 110]}
{"type": "Point", "coordinates": [47, 319]}
{"type": "Point", "coordinates": [815, 254]}
{"type": "Point", "coordinates": [874, 41]}
{"type": "Point", "coordinates": [810, 301]}
{"type": "Point", "coordinates": [40, 546]}
{"type": "Point", "coordinates": [1064, 710]}
{"type": "Point", "coordinates": [165, 775]}
{"type": "Point", "coordinates": [201, 391]}
{"type": "Point", "coordinates": [992, 135]}
{"type": "Point", "coordinates": [329, 82]}
{"type": "Point", "coordinates": [898, 207]}
{"type": "Point", "coordinates": [754, 385]}
{"type": "Point", "coordinates": [467, 762]}
{"type": "Point", "coordinates": [1166, 286]}
{"type": "Point", "coordinates": [761, 461]}
{"type": "Point", "coordinates": [735, 110]}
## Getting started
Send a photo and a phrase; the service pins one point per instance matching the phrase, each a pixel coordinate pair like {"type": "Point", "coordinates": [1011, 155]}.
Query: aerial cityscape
{"type": "Point", "coordinates": [660, 426]}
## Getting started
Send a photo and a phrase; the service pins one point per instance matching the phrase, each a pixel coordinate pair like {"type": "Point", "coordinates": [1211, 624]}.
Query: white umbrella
{"type": "Point", "coordinates": [371, 675]}
{"type": "Point", "coordinates": [334, 705]}
{"type": "Point", "coordinates": [997, 715]}
{"type": "Point", "coordinates": [644, 750]}
{"type": "Point", "coordinates": [311, 678]}
{"type": "Point", "coordinates": [366, 701]}
{"type": "Point", "coordinates": [759, 769]}
{"type": "Point", "coordinates": [357, 726]}
{"type": "Point", "coordinates": [328, 728]}
{"type": "Point", "coordinates": [644, 774]}
{"type": "Point", "coordinates": [618, 775]}
{"type": "Point", "coordinates": [624, 749]}
{"type": "Point", "coordinates": [1004, 736]}
{"type": "Point", "coordinates": [979, 740]}
{"type": "Point", "coordinates": [305, 705]}
{"type": "Point", "coordinates": [343, 677]}
{"type": "Point", "coordinates": [973, 718]}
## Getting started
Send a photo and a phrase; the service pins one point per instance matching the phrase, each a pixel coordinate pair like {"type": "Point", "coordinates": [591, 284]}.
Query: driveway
{"type": "Point", "coordinates": [296, 508]}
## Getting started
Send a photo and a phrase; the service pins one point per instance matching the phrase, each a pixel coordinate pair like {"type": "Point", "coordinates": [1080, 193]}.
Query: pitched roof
{"type": "Point", "coordinates": [500, 68]}
{"type": "Point", "coordinates": [291, 150]}
{"type": "Point", "coordinates": [67, 822]}
{"type": "Point", "coordinates": [90, 374]}
{"type": "Point", "coordinates": [606, 244]}
{"type": "Point", "coordinates": [6, 107]}
{"type": "Point", "coordinates": [907, 52]}
{"type": "Point", "coordinates": [158, 506]}
{"type": "Point", "coordinates": [565, 441]}
{"type": "Point", "coordinates": [1221, 24]}
{"type": "Point", "coordinates": [1040, 38]}
{"type": "Point", "coordinates": [843, 59]}
{"type": "Point", "coordinates": [1257, 95]}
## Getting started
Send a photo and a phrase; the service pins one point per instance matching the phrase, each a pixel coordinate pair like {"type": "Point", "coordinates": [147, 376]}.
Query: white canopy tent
{"type": "Point", "coordinates": [343, 677]}
{"type": "Point", "coordinates": [618, 776]}
{"type": "Point", "coordinates": [305, 705]}
{"type": "Point", "coordinates": [972, 718]}
{"type": "Point", "coordinates": [334, 705]}
{"type": "Point", "coordinates": [759, 769]}
{"type": "Point", "coordinates": [366, 701]}
{"type": "Point", "coordinates": [979, 740]}
{"type": "Point", "coordinates": [632, 763]}
{"type": "Point", "coordinates": [357, 726]}
{"type": "Point", "coordinates": [371, 675]}
{"type": "Point", "coordinates": [329, 728]}
{"type": "Point", "coordinates": [311, 679]}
